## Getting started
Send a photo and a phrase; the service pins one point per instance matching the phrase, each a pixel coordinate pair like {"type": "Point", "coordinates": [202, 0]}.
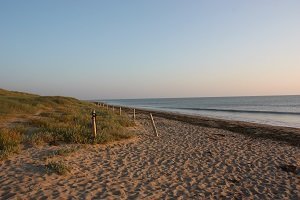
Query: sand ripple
{"type": "Point", "coordinates": [186, 161]}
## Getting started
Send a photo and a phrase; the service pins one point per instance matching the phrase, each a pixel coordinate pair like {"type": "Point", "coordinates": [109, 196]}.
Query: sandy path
{"type": "Point", "coordinates": [186, 161]}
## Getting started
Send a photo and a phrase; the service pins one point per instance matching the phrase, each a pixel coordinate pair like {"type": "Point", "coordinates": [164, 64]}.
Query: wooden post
{"type": "Point", "coordinates": [94, 124]}
{"type": "Point", "coordinates": [153, 125]}
{"type": "Point", "coordinates": [134, 114]}
{"type": "Point", "coordinates": [120, 111]}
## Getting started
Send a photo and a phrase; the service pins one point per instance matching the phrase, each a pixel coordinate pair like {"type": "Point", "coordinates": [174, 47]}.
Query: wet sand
{"type": "Point", "coordinates": [186, 161]}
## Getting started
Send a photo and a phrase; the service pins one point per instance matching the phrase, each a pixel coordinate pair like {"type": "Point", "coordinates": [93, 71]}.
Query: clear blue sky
{"type": "Point", "coordinates": [134, 49]}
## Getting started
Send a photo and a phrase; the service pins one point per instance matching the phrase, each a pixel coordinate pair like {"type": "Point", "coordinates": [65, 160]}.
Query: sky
{"type": "Point", "coordinates": [150, 49]}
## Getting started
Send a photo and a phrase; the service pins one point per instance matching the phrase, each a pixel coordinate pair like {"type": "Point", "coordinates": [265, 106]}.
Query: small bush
{"type": "Point", "coordinates": [61, 152]}
{"type": "Point", "coordinates": [125, 121]}
{"type": "Point", "coordinates": [9, 142]}
{"type": "Point", "coordinates": [57, 167]}
{"type": "Point", "coordinates": [111, 135]}
{"type": "Point", "coordinates": [40, 137]}
{"type": "Point", "coordinates": [65, 151]}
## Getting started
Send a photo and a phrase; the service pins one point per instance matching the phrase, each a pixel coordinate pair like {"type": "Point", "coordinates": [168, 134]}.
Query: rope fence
{"type": "Point", "coordinates": [106, 106]}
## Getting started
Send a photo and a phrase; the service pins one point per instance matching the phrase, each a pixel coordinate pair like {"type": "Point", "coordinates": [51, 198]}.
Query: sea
{"type": "Point", "coordinates": [272, 110]}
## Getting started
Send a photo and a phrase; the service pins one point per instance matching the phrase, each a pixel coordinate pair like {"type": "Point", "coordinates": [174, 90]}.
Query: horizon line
{"type": "Point", "coordinates": [191, 97]}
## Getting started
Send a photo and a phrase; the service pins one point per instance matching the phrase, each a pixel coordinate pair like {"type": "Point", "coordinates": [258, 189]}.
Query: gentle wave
{"type": "Point", "coordinates": [273, 110]}
{"type": "Point", "coordinates": [240, 111]}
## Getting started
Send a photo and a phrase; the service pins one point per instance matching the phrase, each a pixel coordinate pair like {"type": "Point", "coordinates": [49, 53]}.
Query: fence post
{"type": "Point", "coordinates": [120, 111]}
{"type": "Point", "coordinates": [153, 125]}
{"type": "Point", "coordinates": [134, 114]}
{"type": "Point", "coordinates": [94, 124]}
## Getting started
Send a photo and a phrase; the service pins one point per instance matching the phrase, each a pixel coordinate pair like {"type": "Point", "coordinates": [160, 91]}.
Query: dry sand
{"type": "Point", "coordinates": [185, 162]}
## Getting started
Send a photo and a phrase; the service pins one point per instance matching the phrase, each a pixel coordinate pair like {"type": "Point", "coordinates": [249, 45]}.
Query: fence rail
{"type": "Point", "coordinates": [106, 106]}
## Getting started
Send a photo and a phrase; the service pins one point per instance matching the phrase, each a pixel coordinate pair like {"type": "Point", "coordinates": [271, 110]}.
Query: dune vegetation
{"type": "Point", "coordinates": [27, 119]}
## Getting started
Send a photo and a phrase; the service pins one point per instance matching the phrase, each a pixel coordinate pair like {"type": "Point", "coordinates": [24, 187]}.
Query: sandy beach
{"type": "Point", "coordinates": [186, 161]}
{"type": "Point", "coordinates": [149, 100]}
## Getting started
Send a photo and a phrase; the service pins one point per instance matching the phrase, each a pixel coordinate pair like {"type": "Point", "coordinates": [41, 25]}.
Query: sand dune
{"type": "Point", "coordinates": [185, 162]}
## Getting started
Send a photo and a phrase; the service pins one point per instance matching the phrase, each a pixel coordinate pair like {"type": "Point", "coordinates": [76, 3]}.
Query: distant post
{"type": "Point", "coordinates": [153, 125]}
{"type": "Point", "coordinates": [94, 128]}
{"type": "Point", "coordinates": [134, 114]}
{"type": "Point", "coordinates": [120, 111]}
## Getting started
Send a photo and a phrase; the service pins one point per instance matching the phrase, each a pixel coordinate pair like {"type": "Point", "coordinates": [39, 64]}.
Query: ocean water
{"type": "Point", "coordinates": [273, 110]}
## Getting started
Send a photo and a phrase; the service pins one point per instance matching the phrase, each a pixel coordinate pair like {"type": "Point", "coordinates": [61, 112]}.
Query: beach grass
{"type": "Point", "coordinates": [55, 120]}
{"type": "Point", "coordinates": [10, 140]}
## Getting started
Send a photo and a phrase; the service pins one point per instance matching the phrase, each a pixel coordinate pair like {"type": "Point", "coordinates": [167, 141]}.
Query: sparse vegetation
{"type": "Point", "coordinates": [66, 151]}
{"type": "Point", "coordinates": [58, 167]}
{"type": "Point", "coordinates": [56, 120]}
{"type": "Point", "coordinates": [10, 140]}
{"type": "Point", "coordinates": [38, 138]}
{"type": "Point", "coordinates": [74, 126]}
{"type": "Point", "coordinates": [62, 152]}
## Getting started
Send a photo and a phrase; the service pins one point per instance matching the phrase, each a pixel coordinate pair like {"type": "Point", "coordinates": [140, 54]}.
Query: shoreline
{"type": "Point", "coordinates": [289, 135]}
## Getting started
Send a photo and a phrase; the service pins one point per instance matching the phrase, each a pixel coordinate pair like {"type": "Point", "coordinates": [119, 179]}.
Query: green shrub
{"type": "Point", "coordinates": [40, 137]}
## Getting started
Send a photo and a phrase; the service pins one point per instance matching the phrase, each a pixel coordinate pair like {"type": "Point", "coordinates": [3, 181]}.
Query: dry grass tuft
{"type": "Point", "coordinates": [9, 142]}
{"type": "Point", "coordinates": [57, 167]}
